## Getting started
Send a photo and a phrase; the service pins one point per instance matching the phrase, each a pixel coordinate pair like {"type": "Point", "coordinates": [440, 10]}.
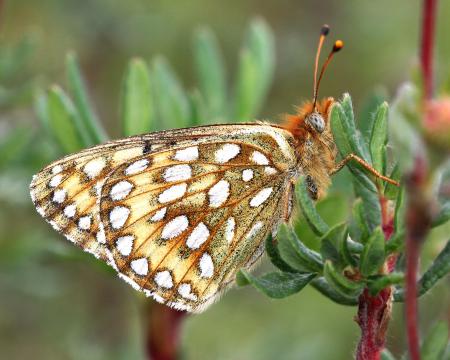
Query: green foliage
{"type": "Point", "coordinates": [345, 266]}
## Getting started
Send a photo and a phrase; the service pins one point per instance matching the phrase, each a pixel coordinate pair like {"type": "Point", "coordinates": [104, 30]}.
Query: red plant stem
{"type": "Point", "coordinates": [374, 312]}
{"type": "Point", "coordinates": [418, 220]}
{"type": "Point", "coordinates": [426, 53]}
{"type": "Point", "coordinates": [163, 338]}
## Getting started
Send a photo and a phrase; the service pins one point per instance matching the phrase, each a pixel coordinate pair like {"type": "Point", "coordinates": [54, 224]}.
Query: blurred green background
{"type": "Point", "coordinates": [57, 302]}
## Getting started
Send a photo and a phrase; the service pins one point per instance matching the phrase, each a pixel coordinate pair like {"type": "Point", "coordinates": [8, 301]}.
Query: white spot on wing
{"type": "Point", "coordinates": [269, 170]}
{"type": "Point", "coordinates": [84, 222]}
{"type": "Point", "coordinates": [70, 210]}
{"type": "Point", "coordinates": [185, 291]}
{"type": "Point", "coordinates": [175, 227]}
{"type": "Point", "coordinates": [124, 244]}
{"type": "Point", "coordinates": [120, 190]}
{"type": "Point", "coordinates": [94, 167]}
{"type": "Point", "coordinates": [259, 158]}
{"type": "Point", "coordinates": [227, 152]}
{"type": "Point", "coordinates": [140, 266]}
{"type": "Point", "coordinates": [57, 169]}
{"type": "Point", "coordinates": [159, 215]}
{"type": "Point", "coordinates": [59, 196]}
{"type": "Point", "coordinates": [229, 230]}
{"type": "Point", "coordinates": [260, 197]}
{"type": "Point", "coordinates": [177, 173]}
{"type": "Point", "coordinates": [172, 193]}
{"type": "Point", "coordinates": [206, 266]}
{"type": "Point", "coordinates": [188, 154]}
{"type": "Point", "coordinates": [255, 228]}
{"type": "Point", "coordinates": [118, 216]}
{"type": "Point", "coordinates": [164, 279]}
{"type": "Point", "coordinates": [198, 236]}
{"type": "Point", "coordinates": [56, 180]}
{"type": "Point", "coordinates": [247, 175]}
{"type": "Point", "coordinates": [136, 167]}
{"type": "Point", "coordinates": [219, 193]}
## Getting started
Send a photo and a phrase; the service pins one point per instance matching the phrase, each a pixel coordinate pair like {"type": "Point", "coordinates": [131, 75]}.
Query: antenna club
{"type": "Point", "coordinates": [338, 45]}
{"type": "Point", "coordinates": [325, 30]}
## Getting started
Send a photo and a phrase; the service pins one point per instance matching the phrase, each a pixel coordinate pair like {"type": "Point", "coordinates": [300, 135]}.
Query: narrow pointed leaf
{"type": "Point", "coordinates": [443, 215]}
{"type": "Point", "coordinates": [210, 68]}
{"type": "Point", "coordinates": [274, 255]}
{"type": "Point", "coordinates": [172, 104]}
{"type": "Point", "coordinates": [322, 285]}
{"type": "Point", "coordinates": [256, 66]}
{"type": "Point", "coordinates": [77, 87]}
{"type": "Point", "coordinates": [331, 245]}
{"type": "Point", "coordinates": [360, 220]}
{"type": "Point", "coordinates": [310, 259]}
{"type": "Point", "coordinates": [64, 121]}
{"type": "Point", "coordinates": [438, 269]}
{"type": "Point", "coordinates": [370, 204]}
{"type": "Point", "coordinates": [309, 211]}
{"type": "Point", "coordinates": [386, 355]}
{"type": "Point", "coordinates": [373, 255]}
{"type": "Point", "coordinates": [379, 138]}
{"type": "Point", "coordinates": [137, 107]}
{"type": "Point", "coordinates": [383, 281]}
{"type": "Point", "coordinates": [276, 285]}
{"type": "Point", "coordinates": [390, 190]}
{"type": "Point", "coordinates": [436, 342]}
{"type": "Point", "coordinates": [341, 283]}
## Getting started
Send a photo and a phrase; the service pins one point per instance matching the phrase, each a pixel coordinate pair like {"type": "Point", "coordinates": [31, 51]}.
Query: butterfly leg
{"type": "Point", "coordinates": [365, 165]}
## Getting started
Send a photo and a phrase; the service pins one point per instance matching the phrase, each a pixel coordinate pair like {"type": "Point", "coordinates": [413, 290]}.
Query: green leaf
{"type": "Point", "coordinates": [381, 282]}
{"type": "Point", "coordinates": [78, 89]}
{"type": "Point", "coordinates": [64, 121]}
{"type": "Point", "coordinates": [343, 133]}
{"type": "Point", "coordinates": [390, 190]}
{"type": "Point", "coordinates": [373, 255]}
{"type": "Point", "coordinates": [360, 220]}
{"type": "Point", "coordinates": [331, 245]}
{"type": "Point", "coordinates": [313, 218]}
{"type": "Point", "coordinates": [171, 102]}
{"type": "Point", "coordinates": [370, 203]}
{"type": "Point", "coordinates": [200, 114]}
{"type": "Point", "coordinates": [340, 283]}
{"type": "Point", "coordinates": [256, 67]}
{"type": "Point", "coordinates": [276, 285]}
{"type": "Point", "coordinates": [275, 257]}
{"type": "Point", "coordinates": [438, 269]}
{"type": "Point", "coordinates": [322, 285]}
{"type": "Point", "coordinates": [210, 69]}
{"type": "Point", "coordinates": [395, 243]}
{"type": "Point", "coordinates": [399, 214]}
{"type": "Point", "coordinates": [386, 355]}
{"type": "Point", "coordinates": [355, 139]}
{"type": "Point", "coordinates": [136, 105]}
{"type": "Point", "coordinates": [435, 343]}
{"type": "Point", "coordinates": [309, 259]}
{"type": "Point", "coordinates": [379, 138]}
{"type": "Point", "coordinates": [443, 216]}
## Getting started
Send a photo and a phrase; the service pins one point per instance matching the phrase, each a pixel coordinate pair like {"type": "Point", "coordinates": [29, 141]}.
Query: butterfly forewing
{"type": "Point", "coordinates": [181, 211]}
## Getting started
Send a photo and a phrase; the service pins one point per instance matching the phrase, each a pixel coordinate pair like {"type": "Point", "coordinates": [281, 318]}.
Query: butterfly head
{"type": "Point", "coordinates": [311, 129]}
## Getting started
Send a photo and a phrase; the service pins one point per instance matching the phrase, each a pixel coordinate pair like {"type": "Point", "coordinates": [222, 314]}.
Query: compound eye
{"type": "Point", "coordinates": [316, 121]}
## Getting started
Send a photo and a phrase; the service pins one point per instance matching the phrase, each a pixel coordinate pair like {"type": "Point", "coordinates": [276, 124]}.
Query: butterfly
{"type": "Point", "coordinates": [177, 213]}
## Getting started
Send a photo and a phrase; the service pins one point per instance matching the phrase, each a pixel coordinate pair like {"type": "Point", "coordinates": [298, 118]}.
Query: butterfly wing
{"type": "Point", "coordinates": [179, 220]}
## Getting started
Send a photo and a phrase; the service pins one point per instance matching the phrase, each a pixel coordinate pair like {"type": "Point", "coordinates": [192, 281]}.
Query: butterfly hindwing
{"type": "Point", "coordinates": [178, 212]}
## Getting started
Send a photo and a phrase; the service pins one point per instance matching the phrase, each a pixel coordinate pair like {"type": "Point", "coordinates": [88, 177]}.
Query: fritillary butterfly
{"type": "Point", "coordinates": [177, 213]}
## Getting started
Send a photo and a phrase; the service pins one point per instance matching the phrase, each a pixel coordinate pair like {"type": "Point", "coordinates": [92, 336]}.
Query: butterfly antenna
{"type": "Point", "coordinates": [323, 34]}
{"type": "Point", "coordinates": [338, 45]}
